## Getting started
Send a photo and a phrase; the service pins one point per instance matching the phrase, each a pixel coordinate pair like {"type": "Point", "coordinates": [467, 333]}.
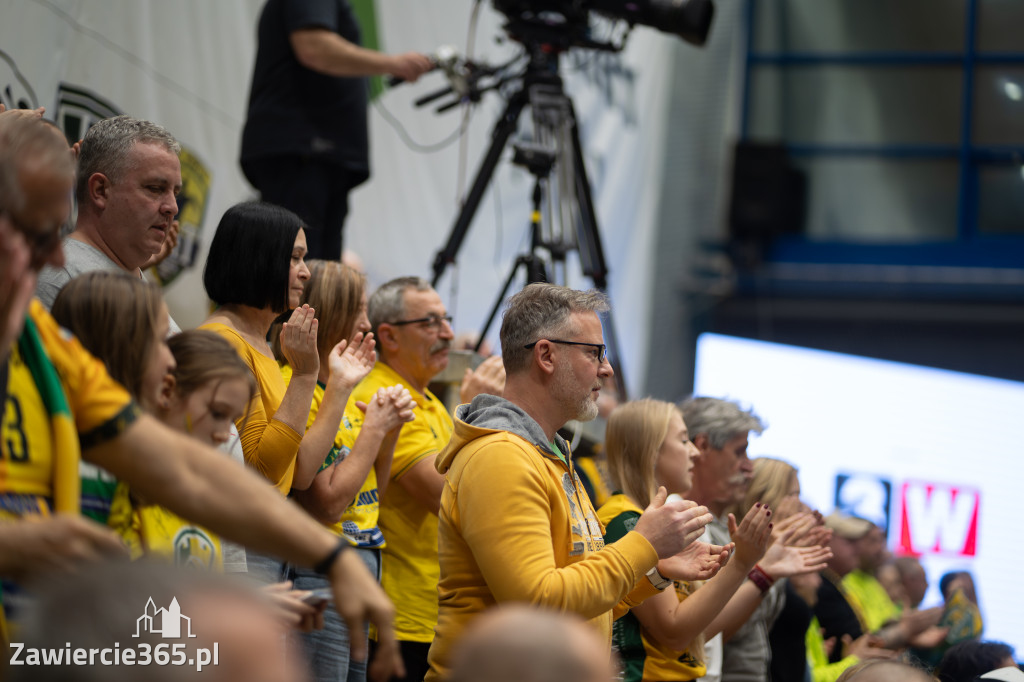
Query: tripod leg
{"type": "Point", "coordinates": [587, 236]}
{"type": "Point", "coordinates": [503, 129]}
{"type": "Point", "coordinates": [499, 301]}
{"type": "Point", "coordinates": [591, 252]}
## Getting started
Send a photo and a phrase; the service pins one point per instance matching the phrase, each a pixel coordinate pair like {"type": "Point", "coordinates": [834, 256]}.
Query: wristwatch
{"type": "Point", "coordinates": [657, 579]}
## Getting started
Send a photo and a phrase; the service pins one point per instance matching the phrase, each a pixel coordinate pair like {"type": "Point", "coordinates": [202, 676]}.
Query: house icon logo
{"type": "Point", "coordinates": [164, 622]}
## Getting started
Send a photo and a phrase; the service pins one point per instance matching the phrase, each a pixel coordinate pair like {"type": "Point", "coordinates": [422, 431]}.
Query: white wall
{"type": "Point", "coordinates": [186, 65]}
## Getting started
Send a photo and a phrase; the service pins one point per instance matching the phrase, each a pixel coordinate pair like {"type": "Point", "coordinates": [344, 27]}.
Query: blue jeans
{"type": "Point", "coordinates": [264, 569]}
{"type": "Point", "coordinates": [327, 650]}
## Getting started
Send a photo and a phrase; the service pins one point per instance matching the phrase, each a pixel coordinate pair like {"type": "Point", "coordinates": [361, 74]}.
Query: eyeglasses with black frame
{"type": "Point", "coordinates": [602, 350]}
{"type": "Point", "coordinates": [431, 321]}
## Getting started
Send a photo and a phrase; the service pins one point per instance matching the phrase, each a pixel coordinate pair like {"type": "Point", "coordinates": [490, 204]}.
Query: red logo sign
{"type": "Point", "coordinates": [938, 518]}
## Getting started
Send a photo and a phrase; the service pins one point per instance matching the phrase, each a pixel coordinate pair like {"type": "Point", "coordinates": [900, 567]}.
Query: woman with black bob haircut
{"type": "Point", "coordinates": [244, 265]}
{"type": "Point", "coordinates": [255, 272]}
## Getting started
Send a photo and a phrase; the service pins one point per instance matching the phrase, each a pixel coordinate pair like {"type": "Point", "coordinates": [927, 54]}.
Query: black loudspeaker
{"type": "Point", "coordinates": [768, 199]}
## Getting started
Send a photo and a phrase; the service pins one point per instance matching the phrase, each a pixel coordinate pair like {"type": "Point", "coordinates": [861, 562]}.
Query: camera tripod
{"type": "Point", "coordinates": [556, 146]}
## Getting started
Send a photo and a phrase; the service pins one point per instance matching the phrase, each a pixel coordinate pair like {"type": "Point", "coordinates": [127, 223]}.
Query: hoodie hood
{"type": "Point", "coordinates": [489, 414]}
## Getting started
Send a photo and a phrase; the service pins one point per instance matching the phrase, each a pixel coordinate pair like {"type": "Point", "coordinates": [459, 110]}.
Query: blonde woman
{"type": "Point", "coordinates": [662, 639]}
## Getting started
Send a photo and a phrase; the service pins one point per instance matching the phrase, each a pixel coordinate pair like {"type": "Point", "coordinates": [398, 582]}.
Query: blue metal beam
{"type": "Point", "coordinates": [882, 59]}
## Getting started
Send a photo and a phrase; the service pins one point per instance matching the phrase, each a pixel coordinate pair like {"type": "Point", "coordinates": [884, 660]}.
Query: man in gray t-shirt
{"type": "Point", "coordinates": [79, 258]}
{"type": "Point", "coordinates": [128, 179]}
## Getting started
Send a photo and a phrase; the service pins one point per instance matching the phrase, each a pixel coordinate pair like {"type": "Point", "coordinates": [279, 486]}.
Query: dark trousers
{"type": "Point", "coordinates": [414, 657]}
{"type": "Point", "coordinates": [315, 190]}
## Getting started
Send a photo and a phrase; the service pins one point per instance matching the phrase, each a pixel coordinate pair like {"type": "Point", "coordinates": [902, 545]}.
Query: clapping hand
{"type": "Point", "coordinates": [298, 341]}
{"type": "Point", "coordinates": [783, 560]}
{"type": "Point", "coordinates": [488, 378]}
{"type": "Point", "coordinates": [699, 561]}
{"type": "Point", "coordinates": [752, 535]}
{"type": "Point", "coordinates": [349, 363]}
{"type": "Point", "coordinates": [392, 405]}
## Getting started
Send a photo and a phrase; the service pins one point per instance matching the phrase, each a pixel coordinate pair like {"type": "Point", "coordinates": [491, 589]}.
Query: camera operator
{"type": "Point", "coordinates": [305, 142]}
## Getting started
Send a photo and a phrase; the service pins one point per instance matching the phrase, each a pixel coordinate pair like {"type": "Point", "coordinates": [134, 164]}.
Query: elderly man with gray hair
{"type": "Point", "coordinates": [129, 177]}
{"type": "Point", "coordinates": [515, 523]}
{"type": "Point", "coordinates": [720, 429]}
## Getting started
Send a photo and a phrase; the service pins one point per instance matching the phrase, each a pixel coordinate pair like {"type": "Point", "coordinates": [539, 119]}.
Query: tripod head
{"type": "Point", "coordinates": [565, 23]}
{"type": "Point", "coordinates": [536, 158]}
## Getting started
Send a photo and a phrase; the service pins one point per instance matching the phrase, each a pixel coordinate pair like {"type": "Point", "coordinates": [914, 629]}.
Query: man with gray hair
{"type": "Point", "coordinates": [129, 177]}
{"type": "Point", "coordinates": [720, 429]}
{"type": "Point", "coordinates": [515, 522]}
{"type": "Point", "coordinates": [414, 334]}
{"type": "Point", "coordinates": [721, 476]}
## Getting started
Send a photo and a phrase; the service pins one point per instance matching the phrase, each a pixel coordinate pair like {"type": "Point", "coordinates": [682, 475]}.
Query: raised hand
{"type": "Point", "coordinates": [403, 402]}
{"type": "Point", "coordinates": [829, 644]}
{"type": "Point", "coordinates": [298, 341]}
{"type": "Point", "coordinates": [793, 528]}
{"type": "Point", "coordinates": [783, 561]}
{"type": "Point", "coordinates": [390, 408]}
{"type": "Point", "coordinates": [167, 248]}
{"type": "Point", "coordinates": [930, 638]}
{"type": "Point", "coordinates": [23, 113]}
{"type": "Point", "coordinates": [699, 561]}
{"type": "Point", "coordinates": [787, 506]}
{"type": "Point", "coordinates": [671, 526]}
{"type": "Point", "coordinates": [488, 378]}
{"type": "Point", "coordinates": [752, 535]}
{"type": "Point", "coordinates": [865, 647]}
{"type": "Point", "coordinates": [350, 363]}
{"type": "Point", "coordinates": [805, 529]}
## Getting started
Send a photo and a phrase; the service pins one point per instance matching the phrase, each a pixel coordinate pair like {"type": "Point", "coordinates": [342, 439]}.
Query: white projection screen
{"type": "Point", "coordinates": [933, 455]}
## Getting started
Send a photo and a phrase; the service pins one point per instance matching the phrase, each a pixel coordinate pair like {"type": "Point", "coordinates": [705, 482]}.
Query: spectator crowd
{"type": "Point", "coordinates": [286, 475]}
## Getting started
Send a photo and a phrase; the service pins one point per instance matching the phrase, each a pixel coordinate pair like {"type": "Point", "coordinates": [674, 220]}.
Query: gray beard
{"type": "Point", "coordinates": [583, 408]}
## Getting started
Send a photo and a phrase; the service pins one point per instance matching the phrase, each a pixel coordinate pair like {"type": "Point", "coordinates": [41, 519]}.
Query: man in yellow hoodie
{"type": "Point", "coordinates": [515, 523]}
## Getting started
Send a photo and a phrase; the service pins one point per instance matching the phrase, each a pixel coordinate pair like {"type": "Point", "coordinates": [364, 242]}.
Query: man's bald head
{"type": "Point", "coordinates": [518, 643]}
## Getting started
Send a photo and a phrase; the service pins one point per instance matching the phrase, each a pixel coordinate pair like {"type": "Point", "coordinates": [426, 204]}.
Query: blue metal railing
{"type": "Point", "coordinates": [1006, 251]}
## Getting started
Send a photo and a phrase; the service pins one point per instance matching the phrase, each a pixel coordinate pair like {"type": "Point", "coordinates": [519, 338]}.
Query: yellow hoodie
{"type": "Point", "coordinates": [516, 525]}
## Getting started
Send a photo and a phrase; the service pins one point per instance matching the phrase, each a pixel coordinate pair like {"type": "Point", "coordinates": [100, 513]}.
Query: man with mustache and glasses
{"type": "Point", "coordinates": [414, 333]}
{"type": "Point", "coordinates": [515, 523]}
{"type": "Point", "coordinates": [721, 476]}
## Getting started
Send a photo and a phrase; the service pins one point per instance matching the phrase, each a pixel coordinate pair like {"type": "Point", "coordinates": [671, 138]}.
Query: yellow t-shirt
{"type": "Point", "coordinates": [409, 568]}
{"type": "Point", "coordinates": [26, 467]}
{"type": "Point", "coordinates": [100, 409]}
{"type": "Point", "coordinates": [60, 400]}
{"type": "Point", "coordinates": [871, 597]}
{"type": "Point", "coordinates": [270, 446]}
{"type": "Point", "coordinates": [358, 523]}
{"type": "Point", "coordinates": [150, 530]}
{"type": "Point", "coordinates": [643, 657]}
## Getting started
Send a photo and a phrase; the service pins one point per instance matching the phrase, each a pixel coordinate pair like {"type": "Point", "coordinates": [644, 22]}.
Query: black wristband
{"type": "Point", "coordinates": [324, 567]}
